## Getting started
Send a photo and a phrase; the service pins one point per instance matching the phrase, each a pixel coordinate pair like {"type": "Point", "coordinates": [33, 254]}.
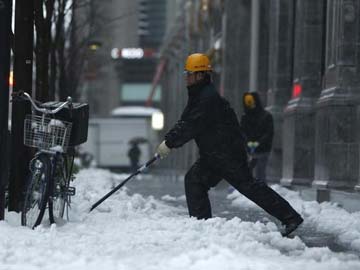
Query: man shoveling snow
{"type": "Point", "coordinates": [209, 119]}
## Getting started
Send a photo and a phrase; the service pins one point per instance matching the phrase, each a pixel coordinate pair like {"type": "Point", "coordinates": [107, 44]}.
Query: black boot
{"type": "Point", "coordinates": [292, 226]}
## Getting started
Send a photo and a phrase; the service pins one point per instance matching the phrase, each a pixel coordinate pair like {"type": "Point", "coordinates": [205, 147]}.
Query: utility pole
{"type": "Point", "coordinates": [23, 62]}
{"type": "Point", "coordinates": [5, 32]}
{"type": "Point", "coordinates": [254, 45]}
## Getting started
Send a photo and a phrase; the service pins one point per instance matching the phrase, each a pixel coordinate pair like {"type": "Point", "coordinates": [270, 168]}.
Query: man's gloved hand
{"type": "Point", "coordinates": [163, 150]}
{"type": "Point", "coordinates": [252, 146]}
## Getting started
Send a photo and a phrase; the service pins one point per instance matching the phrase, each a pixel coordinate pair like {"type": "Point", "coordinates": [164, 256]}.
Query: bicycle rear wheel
{"type": "Point", "coordinates": [37, 192]}
{"type": "Point", "coordinates": [60, 199]}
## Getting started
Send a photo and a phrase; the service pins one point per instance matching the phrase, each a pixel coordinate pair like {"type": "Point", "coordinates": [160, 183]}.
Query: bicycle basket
{"type": "Point", "coordinates": [46, 133]}
{"type": "Point", "coordinates": [78, 116]}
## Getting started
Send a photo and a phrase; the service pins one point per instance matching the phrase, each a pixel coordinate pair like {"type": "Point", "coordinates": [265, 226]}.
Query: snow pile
{"type": "Point", "coordinates": [133, 232]}
{"type": "Point", "coordinates": [172, 198]}
{"type": "Point", "coordinates": [326, 217]}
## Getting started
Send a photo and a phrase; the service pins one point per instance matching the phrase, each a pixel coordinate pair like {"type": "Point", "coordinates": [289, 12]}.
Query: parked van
{"type": "Point", "coordinates": [109, 139]}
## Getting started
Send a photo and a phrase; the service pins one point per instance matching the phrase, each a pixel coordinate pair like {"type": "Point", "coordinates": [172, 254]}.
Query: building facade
{"type": "Point", "coordinates": [104, 26]}
{"type": "Point", "coordinates": [303, 59]}
{"type": "Point", "coordinates": [107, 27]}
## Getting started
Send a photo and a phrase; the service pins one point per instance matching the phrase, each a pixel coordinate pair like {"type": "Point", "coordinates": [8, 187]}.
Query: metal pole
{"type": "Point", "coordinates": [23, 61]}
{"type": "Point", "coordinates": [254, 45]}
{"type": "Point", "coordinates": [5, 32]}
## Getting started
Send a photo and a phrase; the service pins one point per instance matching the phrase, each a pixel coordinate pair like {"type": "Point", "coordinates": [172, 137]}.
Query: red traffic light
{"type": "Point", "coordinates": [297, 89]}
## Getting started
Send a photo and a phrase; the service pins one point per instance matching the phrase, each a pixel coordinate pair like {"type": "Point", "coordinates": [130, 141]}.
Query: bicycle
{"type": "Point", "coordinates": [48, 184]}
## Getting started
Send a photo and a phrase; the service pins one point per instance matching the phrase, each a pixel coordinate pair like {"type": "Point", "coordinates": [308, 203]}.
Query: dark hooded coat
{"type": "Point", "coordinates": [257, 125]}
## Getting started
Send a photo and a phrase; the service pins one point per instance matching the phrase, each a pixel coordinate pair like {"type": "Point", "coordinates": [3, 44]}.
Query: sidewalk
{"type": "Point", "coordinates": [224, 205]}
{"type": "Point", "coordinates": [349, 200]}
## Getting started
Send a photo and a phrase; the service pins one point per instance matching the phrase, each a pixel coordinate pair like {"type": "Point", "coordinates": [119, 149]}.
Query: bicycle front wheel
{"type": "Point", "coordinates": [37, 192]}
{"type": "Point", "coordinates": [58, 203]}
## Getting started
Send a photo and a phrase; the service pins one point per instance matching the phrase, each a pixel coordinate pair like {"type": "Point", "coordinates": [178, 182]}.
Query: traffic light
{"type": "Point", "coordinates": [297, 89]}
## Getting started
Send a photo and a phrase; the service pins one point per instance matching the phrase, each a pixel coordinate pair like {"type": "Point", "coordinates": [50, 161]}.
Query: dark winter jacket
{"type": "Point", "coordinates": [134, 153]}
{"type": "Point", "coordinates": [257, 125]}
{"type": "Point", "coordinates": [209, 119]}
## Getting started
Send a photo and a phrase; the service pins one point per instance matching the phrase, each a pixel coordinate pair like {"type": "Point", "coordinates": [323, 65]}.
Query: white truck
{"type": "Point", "coordinates": [109, 139]}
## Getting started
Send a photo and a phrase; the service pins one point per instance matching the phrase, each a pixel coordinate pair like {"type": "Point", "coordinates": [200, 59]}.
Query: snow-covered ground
{"type": "Point", "coordinates": [325, 217]}
{"type": "Point", "coordinates": [133, 232]}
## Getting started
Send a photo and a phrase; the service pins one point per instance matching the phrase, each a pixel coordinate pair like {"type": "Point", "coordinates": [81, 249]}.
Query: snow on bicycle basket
{"type": "Point", "coordinates": [47, 133]}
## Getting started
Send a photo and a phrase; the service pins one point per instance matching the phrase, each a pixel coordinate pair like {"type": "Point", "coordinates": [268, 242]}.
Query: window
{"type": "Point", "coordinates": [132, 92]}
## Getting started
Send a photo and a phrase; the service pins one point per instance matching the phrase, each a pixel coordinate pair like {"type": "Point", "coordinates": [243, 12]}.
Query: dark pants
{"type": "Point", "coordinates": [259, 165]}
{"type": "Point", "coordinates": [204, 174]}
{"type": "Point", "coordinates": [134, 165]}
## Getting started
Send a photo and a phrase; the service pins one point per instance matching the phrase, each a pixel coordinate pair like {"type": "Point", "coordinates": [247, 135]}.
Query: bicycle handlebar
{"type": "Point", "coordinates": [44, 110]}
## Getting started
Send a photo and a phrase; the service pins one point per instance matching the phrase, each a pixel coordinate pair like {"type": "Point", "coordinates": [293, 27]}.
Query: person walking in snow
{"type": "Point", "coordinates": [134, 156]}
{"type": "Point", "coordinates": [257, 126]}
{"type": "Point", "coordinates": [212, 123]}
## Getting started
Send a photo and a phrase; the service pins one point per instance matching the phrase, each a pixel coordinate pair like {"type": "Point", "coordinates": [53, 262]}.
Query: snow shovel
{"type": "Point", "coordinates": [140, 170]}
